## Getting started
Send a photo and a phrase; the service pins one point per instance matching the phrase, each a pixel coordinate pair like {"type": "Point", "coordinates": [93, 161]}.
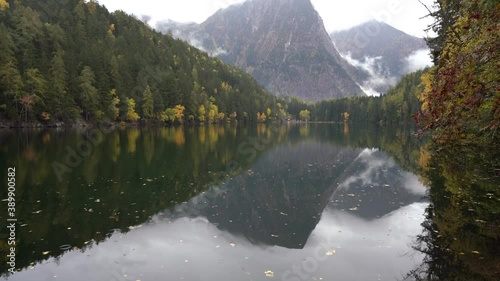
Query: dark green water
{"type": "Point", "coordinates": [308, 202]}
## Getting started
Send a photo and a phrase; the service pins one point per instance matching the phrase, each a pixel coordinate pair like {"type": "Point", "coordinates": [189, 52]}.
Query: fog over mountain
{"type": "Point", "coordinates": [384, 52]}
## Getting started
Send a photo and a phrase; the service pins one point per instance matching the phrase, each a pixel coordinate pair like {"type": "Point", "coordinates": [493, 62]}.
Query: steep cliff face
{"type": "Point", "coordinates": [381, 50]}
{"type": "Point", "coordinates": [282, 43]}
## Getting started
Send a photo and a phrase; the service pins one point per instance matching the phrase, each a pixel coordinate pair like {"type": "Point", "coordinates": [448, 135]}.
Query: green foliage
{"type": "Point", "coordinates": [88, 93]}
{"type": "Point", "coordinates": [83, 53]}
{"type": "Point", "coordinates": [35, 83]}
{"type": "Point", "coordinates": [113, 110]}
{"type": "Point", "coordinates": [305, 115]}
{"type": "Point", "coordinates": [174, 115]}
{"type": "Point", "coordinates": [213, 111]}
{"type": "Point", "coordinates": [202, 113]}
{"type": "Point", "coordinates": [148, 104]}
{"type": "Point", "coordinates": [397, 106]}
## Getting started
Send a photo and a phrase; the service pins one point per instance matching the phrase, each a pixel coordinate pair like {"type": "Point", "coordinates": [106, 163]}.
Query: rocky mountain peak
{"type": "Point", "coordinates": [381, 50]}
{"type": "Point", "coordinates": [282, 43]}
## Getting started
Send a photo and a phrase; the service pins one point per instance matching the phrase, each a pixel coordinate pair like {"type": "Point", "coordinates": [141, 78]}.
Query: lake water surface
{"type": "Point", "coordinates": [290, 202]}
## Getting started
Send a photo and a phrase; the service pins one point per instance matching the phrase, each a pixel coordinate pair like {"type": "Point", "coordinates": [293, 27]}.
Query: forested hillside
{"type": "Point", "coordinates": [399, 105]}
{"type": "Point", "coordinates": [73, 60]}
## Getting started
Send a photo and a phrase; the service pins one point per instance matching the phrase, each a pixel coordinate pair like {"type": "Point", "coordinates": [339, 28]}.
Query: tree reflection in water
{"type": "Point", "coordinates": [461, 232]}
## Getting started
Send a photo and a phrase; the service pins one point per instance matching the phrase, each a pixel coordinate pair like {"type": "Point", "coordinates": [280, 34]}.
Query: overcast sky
{"type": "Point", "coordinates": [337, 15]}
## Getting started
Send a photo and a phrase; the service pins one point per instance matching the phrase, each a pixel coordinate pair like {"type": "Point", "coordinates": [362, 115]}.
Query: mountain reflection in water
{"type": "Point", "coordinates": [317, 201]}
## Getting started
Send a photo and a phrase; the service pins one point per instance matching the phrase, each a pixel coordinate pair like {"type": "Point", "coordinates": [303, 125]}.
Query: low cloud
{"type": "Point", "coordinates": [194, 40]}
{"type": "Point", "coordinates": [369, 91]}
{"type": "Point", "coordinates": [188, 33]}
{"type": "Point", "coordinates": [146, 18]}
{"type": "Point", "coordinates": [379, 76]}
{"type": "Point", "coordinates": [418, 60]}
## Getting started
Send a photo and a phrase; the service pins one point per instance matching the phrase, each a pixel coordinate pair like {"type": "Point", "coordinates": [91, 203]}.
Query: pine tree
{"type": "Point", "coordinates": [113, 111]}
{"type": "Point", "coordinates": [88, 94]}
{"type": "Point", "coordinates": [148, 104]}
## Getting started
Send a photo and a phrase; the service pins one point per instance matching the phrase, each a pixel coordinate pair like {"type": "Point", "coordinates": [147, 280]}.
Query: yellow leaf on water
{"type": "Point", "coordinates": [331, 252]}
{"type": "Point", "coordinates": [269, 274]}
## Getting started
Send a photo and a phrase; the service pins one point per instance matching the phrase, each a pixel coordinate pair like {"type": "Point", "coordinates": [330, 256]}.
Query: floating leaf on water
{"type": "Point", "coordinates": [331, 252]}
{"type": "Point", "coordinates": [134, 227]}
{"type": "Point", "coordinates": [65, 247]}
{"type": "Point", "coordinates": [269, 273]}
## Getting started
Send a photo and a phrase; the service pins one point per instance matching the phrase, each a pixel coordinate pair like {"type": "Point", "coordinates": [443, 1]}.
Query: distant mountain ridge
{"type": "Point", "coordinates": [282, 43]}
{"type": "Point", "coordinates": [379, 49]}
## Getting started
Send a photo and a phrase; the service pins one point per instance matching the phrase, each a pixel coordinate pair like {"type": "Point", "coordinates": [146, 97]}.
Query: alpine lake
{"type": "Point", "coordinates": [248, 202]}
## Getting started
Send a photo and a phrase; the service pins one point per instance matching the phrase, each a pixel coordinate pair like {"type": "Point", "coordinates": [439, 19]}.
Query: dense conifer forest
{"type": "Point", "coordinates": [74, 61]}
